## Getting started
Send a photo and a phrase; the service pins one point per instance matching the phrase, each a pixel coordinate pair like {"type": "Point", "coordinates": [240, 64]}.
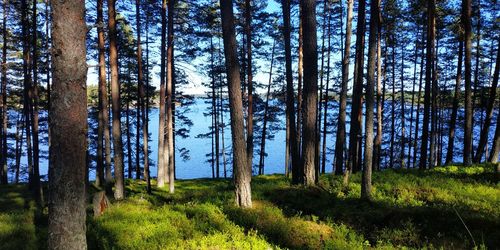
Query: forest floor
{"type": "Point", "coordinates": [449, 207]}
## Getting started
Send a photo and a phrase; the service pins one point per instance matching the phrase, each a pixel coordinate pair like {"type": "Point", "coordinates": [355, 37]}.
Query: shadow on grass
{"type": "Point", "coordinates": [413, 226]}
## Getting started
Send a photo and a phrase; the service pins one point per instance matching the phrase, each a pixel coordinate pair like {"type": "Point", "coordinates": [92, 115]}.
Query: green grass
{"type": "Point", "coordinates": [410, 209]}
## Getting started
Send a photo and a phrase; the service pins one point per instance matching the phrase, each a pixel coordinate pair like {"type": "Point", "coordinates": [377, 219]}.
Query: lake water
{"type": "Point", "coordinates": [196, 165]}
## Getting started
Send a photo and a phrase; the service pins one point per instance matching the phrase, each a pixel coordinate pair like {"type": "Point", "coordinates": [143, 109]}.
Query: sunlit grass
{"type": "Point", "coordinates": [410, 208]}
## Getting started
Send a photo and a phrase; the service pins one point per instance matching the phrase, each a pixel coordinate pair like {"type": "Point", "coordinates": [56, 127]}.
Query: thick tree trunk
{"type": "Point", "coordinates": [366, 184]}
{"type": "Point", "coordinates": [241, 170]}
{"type": "Point", "coordinates": [290, 96]}
{"type": "Point", "coordinates": [454, 111]}
{"type": "Point", "coordinates": [119, 191]}
{"type": "Point", "coordinates": [466, 17]}
{"type": "Point", "coordinates": [310, 91]}
{"type": "Point", "coordinates": [341, 128]}
{"type": "Point", "coordinates": [483, 140]}
{"type": "Point", "coordinates": [431, 6]}
{"type": "Point", "coordinates": [67, 197]}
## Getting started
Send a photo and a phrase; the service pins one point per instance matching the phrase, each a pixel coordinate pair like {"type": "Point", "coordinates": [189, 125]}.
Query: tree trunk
{"type": "Point", "coordinates": [415, 63]}
{"type": "Point", "coordinates": [495, 148]}
{"type": "Point", "coordinates": [431, 6]}
{"type": "Point", "coordinates": [341, 128]}
{"type": "Point", "coordinates": [38, 191]}
{"type": "Point", "coordinates": [489, 112]}
{"type": "Point", "coordinates": [5, 117]}
{"type": "Point", "coordinates": [325, 107]}
{"type": "Point", "coordinates": [103, 119]}
{"type": "Point", "coordinates": [454, 111]}
{"type": "Point", "coordinates": [115, 97]}
{"type": "Point", "coordinates": [419, 95]}
{"type": "Point", "coordinates": [140, 94]}
{"type": "Point", "coordinates": [241, 171]}
{"type": "Point", "coordinates": [402, 152]}
{"type": "Point", "coordinates": [248, 31]}
{"type": "Point", "coordinates": [354, 163]}
{"type": "Point", "coordinates": [67, 198]}
{"type": "Point", "coordinates": [162, 171]}
{"type": "Point", "coordinates": [127, 134]}
{"type": "Point", "coordinates": [466, 17]}
{"type": "Point", "coordinates": [366, 184]}
{"type": "Point", "coordinates": [310, 91]}
{"type": "Point", "coordinates": [290, 96]}
{"type": "Point", "coordinates": [393, 108]}
{"type": "Point", "coordinates": [266, 111]}
{"type": "Point", "coordinates": [145, 115]}
{"type": "Point", "coordinates": [170, 162]}
{"type": "Point", "coordinates": [378, 138]}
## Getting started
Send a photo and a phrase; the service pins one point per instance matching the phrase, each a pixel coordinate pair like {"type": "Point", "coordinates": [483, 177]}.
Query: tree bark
{"type": "Point", "coordinates": [103, 116]}
{"type": "Point", "coordinates": [310, 91]}
{"type": "Point", "coordinates": [248, 31]}
{"type": "Point", "coordinates": [366, 184]}
{"type": "Point", "coordinates": [241, 171]}
{"type": "Point", "coordinates": [162, 171]}
{"type": "Point", "coordinates": [119, 192]}
{"type": "Point", "coordinates": [341, 128]}
{"type": "Point", "coordinates": [67, 197]}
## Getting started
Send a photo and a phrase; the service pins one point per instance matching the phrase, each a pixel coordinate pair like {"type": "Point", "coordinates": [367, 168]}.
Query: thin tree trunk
{"type": "Point", "coordinates": [290, 96]}
{"type": "Point", "coordinates": [127, 124]}
{"type": "Point", "coordinates": [393, 108]}
{"type": "Point", "coordinates": [325, 107]}
{"type": "Point", "coordinates": [103, 97]}
{"type": "Point", "coordinates": [67, 198]}
{"type": "Point", "coordinates": [266, 111]}
{"type": "Point", "coordinates": [5, 116]}
{"type": "Point", "coordinates": [354, 163]}
{"type": "Point", "coordinates": [454, 111]}
{"type": "Point", "coordinates": [35, 117]}
{"type": "Point", "coordinates": [170, 162]}
{"type": "Point", "coordinates": [119, 191]}
{"type": "Point", "coordinates": [145, 115]}
{"type": "Point", "coordinates": [341, 128]}
{"type": "Point", "coordinates": [300, 71]}
{"type": "Point", "coordinates": [483, 140]}
{"type": "Point", "coordinates": [141, 95]}
{"type": "Point", "coordinates": [402, 152]}
{"type": "Point", "coordinates": [241, 171]}
{"type": "Point", "coordinates": [19, 146]}
{"type": "Point", "coordinates": [378, 137]}
{"type": "Point", "coordinates": [248, 31]}
{"type": "Point", "coordinates": [431, 6]}
{"type": "Point", "coordinates": [495, 148]}
{"type": "Point", "coordinates": [413, 101]}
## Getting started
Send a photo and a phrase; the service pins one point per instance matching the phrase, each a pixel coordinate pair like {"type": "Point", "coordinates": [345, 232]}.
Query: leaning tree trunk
{"type": "Point", "coordinates": [366, 184]}
{"type": "Point", "coordinates": [489, 111]}
{"type": "Point", "coordinates": [115, 97]}
{"type": "Point", "coordinates": [341, 128]}
{"type": "Point", "coordinates": [241, 170]}
{"type": "Point", "coordinates": [310, 91]}
{"type": "Point", "coordinates": [67, 195]}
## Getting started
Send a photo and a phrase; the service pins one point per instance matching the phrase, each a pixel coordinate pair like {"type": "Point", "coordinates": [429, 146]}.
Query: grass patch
{"type": "Point", "coordinates": [410, 209]}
